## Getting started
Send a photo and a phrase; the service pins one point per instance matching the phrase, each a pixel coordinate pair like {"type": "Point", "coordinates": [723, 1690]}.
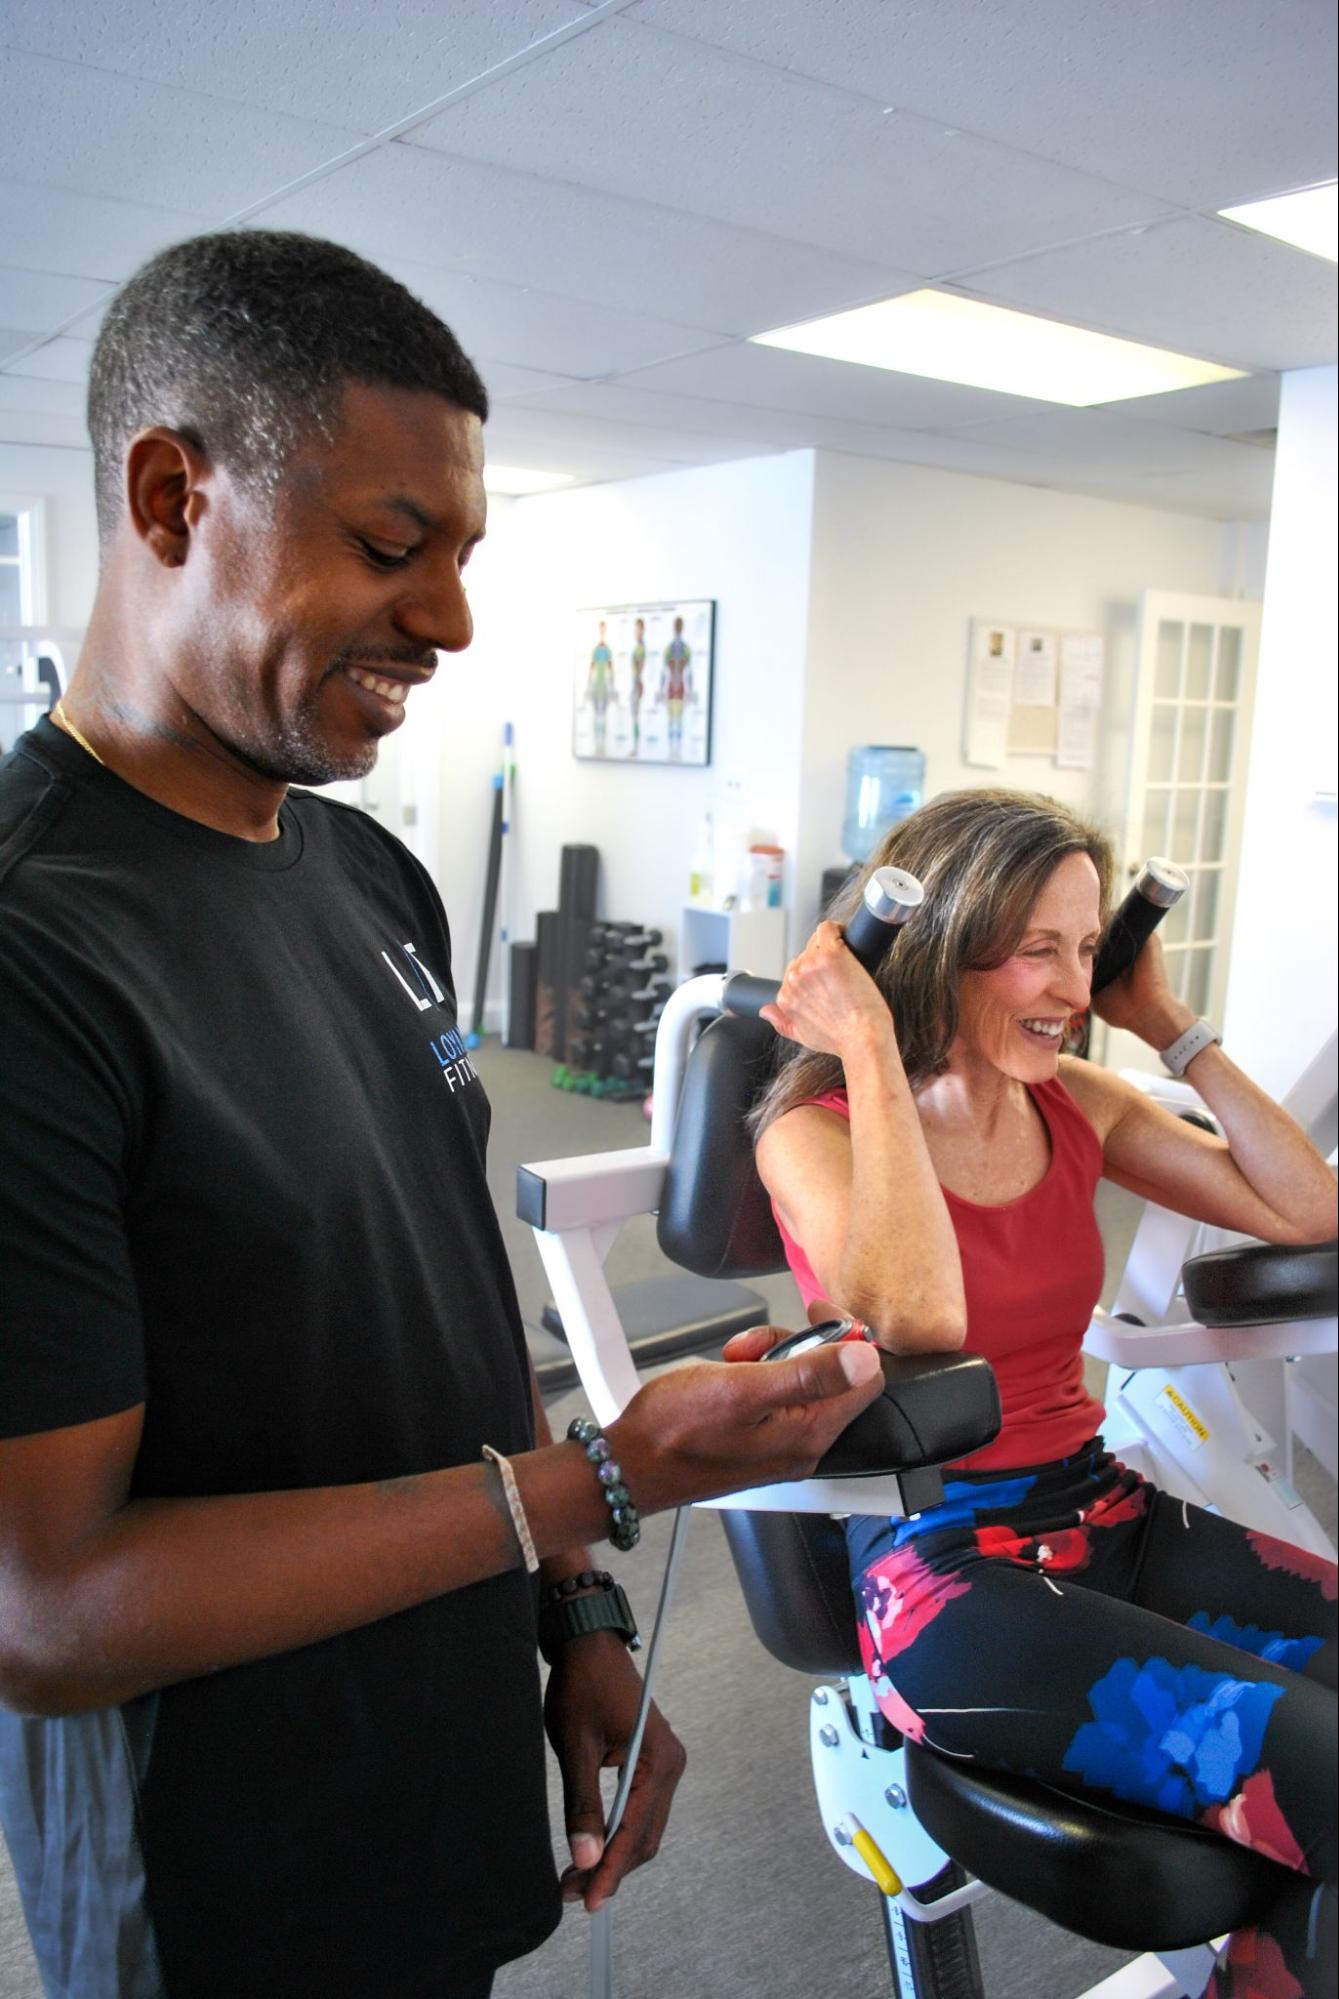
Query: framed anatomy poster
{"type": "Point", "coordinates": [641, 685]}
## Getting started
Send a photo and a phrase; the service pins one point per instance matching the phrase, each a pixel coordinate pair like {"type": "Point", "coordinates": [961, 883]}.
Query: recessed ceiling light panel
{"type": "Point", "coordinates": [1309, 219]}
{"type": "Point", "coordinates": [950, 338]}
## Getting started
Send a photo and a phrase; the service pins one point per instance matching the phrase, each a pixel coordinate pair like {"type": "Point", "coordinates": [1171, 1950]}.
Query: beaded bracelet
{"type": "Point", "coordinates": [626, 1529]}
{"type": "Point", "coordinates": [573, 1585]}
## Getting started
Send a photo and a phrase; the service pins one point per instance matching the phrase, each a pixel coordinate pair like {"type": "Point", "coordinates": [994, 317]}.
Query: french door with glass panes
{"type": "Point", "coordinates": [1195, 662]}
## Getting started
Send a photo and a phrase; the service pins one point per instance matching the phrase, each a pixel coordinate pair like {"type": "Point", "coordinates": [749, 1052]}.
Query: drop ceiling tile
{"type": "Point", "coordinates": [754, 430]}
{"type": "Point", "coordinates": [564, 431]}
{"type": "Point", "coordinates": [1112, 440]}
{"type": "Point", "coordinates": [39, 302]}
{"type": "Point", "coordinates": [81, 235]}
{"type": "Point", "coordinates": [1235, 485]}
{"type": "Point", "coordinates": [667, 120]}
{"type": "Point", "coordinates": [1196, 285]}
{"type": "Point", "coordinates": [535, 329]}
{"type": "Point", "coordinates": [612, 402]}
{"type": "Point", "coordinates": [769, 377]}
{"type": "Point", "coordinates": [1225, 408]}
{"type": "Point", "coordinates": [406, 201]}
{"type": "Point", "coordinates": [41, 427]}
{"type": "Point", "coordinates": [1239, 492]}
{"type": "Point", "coordinates": [13, 340]}
{"type": "Point", "coordinates": [1204, 103]}
{"type": "Point", "coordinates": [505, 383]}
{"type": "Point", "coordinates": [41, 398]}
{"type": "Point", "coordinates": [362, 67]}
{"type": "Point", "coordinates": [581, 461]}
{"type": "Point", "coordinates": [63, 360]}
{"type": "Point", "coordinates": [92, 133]}
{"type": "Point", "coordinates": [1226, 483]}
{"type": "Point", "coordinates": [973, 452]}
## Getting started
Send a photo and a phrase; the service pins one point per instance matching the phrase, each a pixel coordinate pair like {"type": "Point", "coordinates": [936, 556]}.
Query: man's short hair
{"type": "Point", "coordinates": [245, 341]}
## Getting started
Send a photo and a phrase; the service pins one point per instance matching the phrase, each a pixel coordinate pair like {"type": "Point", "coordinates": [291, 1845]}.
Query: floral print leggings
{"type": "Point", "coordinates": [1070, 1622]}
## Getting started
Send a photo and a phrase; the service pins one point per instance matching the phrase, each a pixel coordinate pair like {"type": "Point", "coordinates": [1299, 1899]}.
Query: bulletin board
{"type": "Point", "coordinates": [1032, 691]}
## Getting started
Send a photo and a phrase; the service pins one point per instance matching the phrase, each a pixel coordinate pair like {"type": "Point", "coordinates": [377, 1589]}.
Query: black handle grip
{"type": "Point", "coordinates": [746, 994]}
{"type": "Point", "coordinates": [891, 896]}
{"type": "Point", "coordinates": [1160, 886]}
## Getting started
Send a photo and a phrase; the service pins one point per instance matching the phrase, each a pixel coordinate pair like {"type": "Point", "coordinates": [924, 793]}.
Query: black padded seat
{"type": "Point", "coordinates": [1115, 1873]}
{"type": "Point", "coordinates": [1255, 1284]}
{"type": "Point", "coordinates": [793, 1571]}
{"type": "Point", "coordinates": [1119, 1874]}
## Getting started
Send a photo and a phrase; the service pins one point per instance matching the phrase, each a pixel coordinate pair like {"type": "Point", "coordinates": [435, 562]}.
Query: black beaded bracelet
{"type": "Point", "coordinates": [626, 1528]}
{"type": "Point", "coordinates": [573, 1586]}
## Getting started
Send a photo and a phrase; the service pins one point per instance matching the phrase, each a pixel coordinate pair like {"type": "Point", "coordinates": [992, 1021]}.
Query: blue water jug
{"type": "Point", "coordinates": [885, 782]}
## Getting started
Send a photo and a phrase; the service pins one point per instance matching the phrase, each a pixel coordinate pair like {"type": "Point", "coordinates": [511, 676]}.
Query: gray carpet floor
{"type": "Point", "coordinates": [746, 1900]}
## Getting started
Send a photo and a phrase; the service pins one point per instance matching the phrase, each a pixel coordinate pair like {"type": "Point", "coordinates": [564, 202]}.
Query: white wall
{"type": "Point", "coordinates": [739, 533]}
{"type": "Point", "coordinates": [904, 557]}
{"type": "Point", "coordinates": [1281, 981]}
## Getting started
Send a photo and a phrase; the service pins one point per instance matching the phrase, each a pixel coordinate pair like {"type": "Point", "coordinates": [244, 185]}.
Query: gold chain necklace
{"type": "Point", "coordinates": [62, 720]}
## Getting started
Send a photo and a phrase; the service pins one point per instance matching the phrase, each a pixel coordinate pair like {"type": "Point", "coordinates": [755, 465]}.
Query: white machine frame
{"type": "Point", "coordinates": [1175, 1411]}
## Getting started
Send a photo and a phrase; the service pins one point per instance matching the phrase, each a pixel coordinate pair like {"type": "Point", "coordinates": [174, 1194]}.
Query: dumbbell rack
{"type": "Point", "coordinates": [619, 1000]}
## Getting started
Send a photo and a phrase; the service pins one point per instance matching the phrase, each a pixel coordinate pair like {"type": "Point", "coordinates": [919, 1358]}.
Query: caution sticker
{"type": "Point", "coordinates": [1192, 1430]}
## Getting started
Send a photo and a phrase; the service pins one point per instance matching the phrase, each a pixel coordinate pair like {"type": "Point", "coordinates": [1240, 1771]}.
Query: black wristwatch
{"type": "Point", "coordinates": [606, 1609]}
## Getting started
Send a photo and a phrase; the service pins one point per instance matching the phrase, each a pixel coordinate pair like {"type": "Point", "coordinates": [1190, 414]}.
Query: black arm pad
{"type": "Point", "coordinates": [1256, 1283]}
{"type": "Point", "coordinates": [934, 1407]}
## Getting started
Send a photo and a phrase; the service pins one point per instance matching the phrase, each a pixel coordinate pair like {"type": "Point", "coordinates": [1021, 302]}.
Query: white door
{"type": "Point", "coordinates": [379, 792]}
{"type": "Point", "coordinates": [1195, 665]}
{"type": "Point", "coordinates": [401, 789]}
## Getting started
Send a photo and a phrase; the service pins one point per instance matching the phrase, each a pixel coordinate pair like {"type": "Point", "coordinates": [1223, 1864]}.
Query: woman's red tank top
{"type": "Point", "coordinates": [1032, 1271]}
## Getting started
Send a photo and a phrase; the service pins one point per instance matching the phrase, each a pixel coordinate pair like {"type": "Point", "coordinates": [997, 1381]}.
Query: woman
{"type": "Point", "coordinates": [932, 1157]}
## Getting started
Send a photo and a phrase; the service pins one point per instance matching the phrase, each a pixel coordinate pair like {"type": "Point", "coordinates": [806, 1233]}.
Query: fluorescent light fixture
{"type": "Point", "coordinates": [954, 339]}
{"type": "Point", "coordinates": [518, 480]}
{"type": "Point", "coordinates": [1309, 219]}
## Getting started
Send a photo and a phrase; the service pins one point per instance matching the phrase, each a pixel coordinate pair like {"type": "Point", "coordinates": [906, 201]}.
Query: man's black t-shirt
{"type": "Point", "coordinates": [242, 1160]}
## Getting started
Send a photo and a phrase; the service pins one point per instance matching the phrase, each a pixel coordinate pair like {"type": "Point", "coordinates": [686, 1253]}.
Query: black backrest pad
{"type": "Point", "coordinates": [1255, 1284]}
{"type": "Point", "coordinates": [715, 1217]}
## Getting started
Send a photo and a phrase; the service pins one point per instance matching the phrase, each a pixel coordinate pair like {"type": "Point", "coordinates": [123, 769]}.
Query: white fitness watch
{"type": "Point", "coordinates": [1178, 1058]}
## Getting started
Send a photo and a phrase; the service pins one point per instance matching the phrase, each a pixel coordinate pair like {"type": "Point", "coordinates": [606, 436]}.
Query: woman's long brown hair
{"type": "Point", "coordinates": [982, 857]}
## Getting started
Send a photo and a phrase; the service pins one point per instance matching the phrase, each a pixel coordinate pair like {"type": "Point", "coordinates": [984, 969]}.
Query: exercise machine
{"type": "Point", "coordinates": [933, 1835]}
{"type": "Point", "coordinates": [1213, 1417]}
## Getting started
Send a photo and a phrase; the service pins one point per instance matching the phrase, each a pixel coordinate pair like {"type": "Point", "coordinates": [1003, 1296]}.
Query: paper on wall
{"type": "Point", "coordinates": [990, 683]}
{"type": "Point", "coordinates": [1034, 670]}
{"type": "Point", "coordinates": [1081, 659]}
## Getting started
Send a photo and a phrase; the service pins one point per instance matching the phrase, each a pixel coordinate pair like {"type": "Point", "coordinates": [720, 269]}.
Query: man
{"type": "Point", "coordinates": [265, 1629]}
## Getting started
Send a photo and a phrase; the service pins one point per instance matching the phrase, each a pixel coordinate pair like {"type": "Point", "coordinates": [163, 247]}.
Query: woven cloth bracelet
{"type": "Point", "coordinates": [626, 1527]}
{"type": "Point", "coordinates": [515, 1508]}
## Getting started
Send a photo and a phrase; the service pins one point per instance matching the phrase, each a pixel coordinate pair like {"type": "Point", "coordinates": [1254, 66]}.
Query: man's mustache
{"type": "Point", "coordinates": [373, 657]}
